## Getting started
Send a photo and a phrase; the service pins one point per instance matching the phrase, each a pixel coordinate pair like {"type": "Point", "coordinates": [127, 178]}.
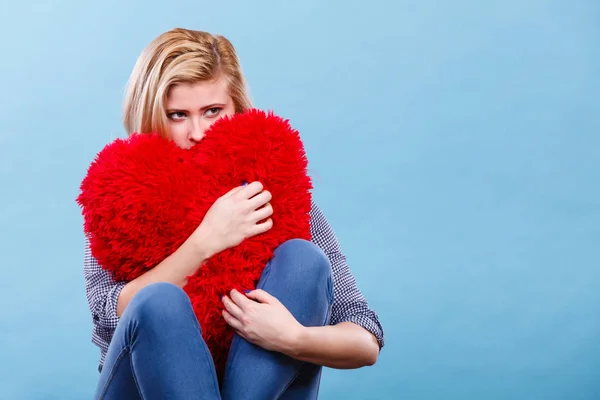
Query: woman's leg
{"type": "Point", "coordinates": [299, 275]}
{"type": "Point", "coordinates": [157, 351]}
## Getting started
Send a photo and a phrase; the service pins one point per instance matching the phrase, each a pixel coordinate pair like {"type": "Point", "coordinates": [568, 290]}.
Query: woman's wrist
{"type": "Point", "coordinates": [295, 341]}
{"type": "Point", "coordinates": [200, 244]}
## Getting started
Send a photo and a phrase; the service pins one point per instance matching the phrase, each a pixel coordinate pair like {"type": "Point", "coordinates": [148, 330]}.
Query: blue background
{"type": "Point", "coordinates": [455, 148]}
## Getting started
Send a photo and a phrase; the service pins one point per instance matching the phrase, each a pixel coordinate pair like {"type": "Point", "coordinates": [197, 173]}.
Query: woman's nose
{"type": "Point", "coordinates": [197, 132]}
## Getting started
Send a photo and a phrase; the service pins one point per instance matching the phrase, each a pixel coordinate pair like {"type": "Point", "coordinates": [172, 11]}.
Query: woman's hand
{"type": "Point", "coordinates": [261, 319]}
{"type": "Point", "coordinates": [233, 218]}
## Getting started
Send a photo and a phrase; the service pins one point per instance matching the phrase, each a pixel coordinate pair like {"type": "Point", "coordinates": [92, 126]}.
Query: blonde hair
{"type": "Point", "coordinates": [179, 56]}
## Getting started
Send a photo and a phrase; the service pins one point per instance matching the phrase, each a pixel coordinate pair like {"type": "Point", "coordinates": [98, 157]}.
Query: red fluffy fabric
{"type": "Point", "coordinates": [143, 197]}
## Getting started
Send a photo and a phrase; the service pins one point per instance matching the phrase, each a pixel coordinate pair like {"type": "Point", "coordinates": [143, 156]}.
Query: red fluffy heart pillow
{"type": "Point", "coordinates": [143, 197]}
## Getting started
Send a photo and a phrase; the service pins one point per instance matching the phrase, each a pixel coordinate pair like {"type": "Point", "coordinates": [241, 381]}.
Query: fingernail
{"type": "Point", "coordinates": [247, 291]}
{"type": "Point", "coordinates": [221, 297]}
{"type": "Point", "coordinates": [244, 183]}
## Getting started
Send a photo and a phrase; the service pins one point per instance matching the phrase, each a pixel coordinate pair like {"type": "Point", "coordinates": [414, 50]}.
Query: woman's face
{"type": "Point", "coordinates": [192, 108]}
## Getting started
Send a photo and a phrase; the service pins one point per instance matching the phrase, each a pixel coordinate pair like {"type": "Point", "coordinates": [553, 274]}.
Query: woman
{"type": "Point", "coordinates": [306, 312]}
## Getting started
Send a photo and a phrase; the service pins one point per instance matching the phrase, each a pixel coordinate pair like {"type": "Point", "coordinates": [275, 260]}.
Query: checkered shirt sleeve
{"type": "Point", "coordinates": [349, 304]}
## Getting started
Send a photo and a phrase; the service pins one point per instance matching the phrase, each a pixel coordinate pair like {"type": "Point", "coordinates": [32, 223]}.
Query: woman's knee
{"type": "Point", "coordinates": [308, 259]}
{"type": "Point", "coordinates": [160, 302]}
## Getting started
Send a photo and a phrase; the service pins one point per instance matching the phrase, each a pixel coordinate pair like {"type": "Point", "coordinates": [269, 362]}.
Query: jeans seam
{"type": "Point", "coordinates": [318, 384]}
{"type": "Point", "coordinates": [265, 274]}
{"type": "Point", "coordinates": [209, 362]}
{"type": "Point", "coordinates": [291, 381]}
{"type": "Point", "coordinates": [113, 371]}
{"type": "Point", "coordinates": [136, 381]}
{"type": "Point", "coordinates": [207, 356]}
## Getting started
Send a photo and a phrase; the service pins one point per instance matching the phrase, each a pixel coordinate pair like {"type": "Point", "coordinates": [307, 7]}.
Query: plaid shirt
{"type": "Point", "coordinates": [349, 304]}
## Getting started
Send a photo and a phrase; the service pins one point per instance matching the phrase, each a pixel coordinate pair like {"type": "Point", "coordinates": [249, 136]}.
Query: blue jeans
{"type": "Point", "coordinates": [157, 350]}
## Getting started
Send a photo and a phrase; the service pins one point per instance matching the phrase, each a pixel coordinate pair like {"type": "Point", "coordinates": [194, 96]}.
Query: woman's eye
{"type": "Point", "coordinates": [212, 112]}
{"type": "Point", "coordinates": [176, 115]}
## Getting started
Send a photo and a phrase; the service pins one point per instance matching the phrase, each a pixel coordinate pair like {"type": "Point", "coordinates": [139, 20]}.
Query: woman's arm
{"type": "Point", "coordinates": [263, 320]}
{"type": "Point", "coordinates": [349, 305]}
{"type": "Point", "coordinates": [343, 346]}
{"type": "Point", "coordinates": [184, 262]}
{"type": "Point", "coordinates": [354, 337]}
{"type": "Point", "coordinates": [231, 219]}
